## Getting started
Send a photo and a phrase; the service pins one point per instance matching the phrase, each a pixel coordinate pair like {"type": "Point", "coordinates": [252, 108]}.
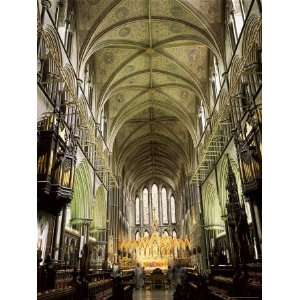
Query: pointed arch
{"type": "Point", "coordinates": [99, 211]}
{"type": "Point", "coordinates": [252, 38]}
{"type": "Point", "coordinates": [70, 77]}
{"type": "Point", "coordinates": [222, 179]}
{"type": "Point", "coordinates": [81, 206]}
{"type": "Point", "coordinates": [51, 37]}
{"type": "Point", "coordinates": [234, 74]}
{"type": "Point", "coordinates": [212, 209]}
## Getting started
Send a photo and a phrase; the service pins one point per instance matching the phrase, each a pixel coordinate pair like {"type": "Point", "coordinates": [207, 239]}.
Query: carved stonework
{"type": "Point", "coordinates": [237, 221]}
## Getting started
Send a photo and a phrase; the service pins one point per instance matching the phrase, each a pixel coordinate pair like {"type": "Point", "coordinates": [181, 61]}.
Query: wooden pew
{"type": "Point", "coordinates": [194, 287]}
{"type": "Point", "coordinates": [225, 283]}
{"type": "Point", "coordinates": [68, 293]}
{"type": "Point", "coordinates": [67, 285]}
{"type": "Point", "coordinates": [102, 289]}
{"type": "Point", "coordinates": [127, 280]}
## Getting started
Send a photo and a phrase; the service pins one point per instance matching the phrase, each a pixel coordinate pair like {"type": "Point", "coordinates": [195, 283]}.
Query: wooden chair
{"type": "Point", "coordinates": [158, 279]}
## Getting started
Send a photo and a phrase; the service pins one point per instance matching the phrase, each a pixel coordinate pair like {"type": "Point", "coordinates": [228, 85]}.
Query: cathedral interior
{"type": "Point", "coordinates": [149, 121]}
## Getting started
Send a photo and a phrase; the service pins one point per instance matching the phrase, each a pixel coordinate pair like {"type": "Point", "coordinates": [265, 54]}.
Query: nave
{"type": "Point", "coordinates": [149, 149]}
{"type": "Point", "coordinates": [156, 294]}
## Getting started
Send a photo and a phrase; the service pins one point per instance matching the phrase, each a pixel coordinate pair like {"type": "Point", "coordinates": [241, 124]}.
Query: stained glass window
{"type": "Point", "coordinates": [146, 206]}
{"type": "Point", "coordinates": [173, 214]}
{"type": "Point", "coordinates": [164, 204]}
{"type": "Point", "coordinates": [155, 202]}
{"type": "Point", "coordinates": [137, 211]}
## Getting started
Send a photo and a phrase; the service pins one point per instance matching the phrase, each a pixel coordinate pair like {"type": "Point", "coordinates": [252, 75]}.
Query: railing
{"type": "Point", "coordinates": [229, 283]}
{"type": "Point", "coordinates": [223, 120]}
{"type": "Point", "coordinates": [68, 293]}
{"type": "Point", "coordinates": [98, 285]}
{"type": "Point", "coordinates": [223, 283]}
{"type": "Point", "coordinates": [66, 285]}
{"type": "Point", "coordinates": [76, 104]}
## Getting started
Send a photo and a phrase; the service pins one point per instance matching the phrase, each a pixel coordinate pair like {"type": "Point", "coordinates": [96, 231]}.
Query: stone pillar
{"type": "Point", "coordinates": [197, 235]}
{"type": "Point", "coordinates": [107, 230]}
{"type": "Point", "coordinates": [228, 239]}
{"type": "Point", "coordinates": [204, 253]}
{"type": "Point", "coordinates": [117, 220]}
{"type": "Point", "coordinates": [62, 234]}
{"type": "Point", "coordinates": [113, 221]}
{"type": "Point", "coordinates": [56, 237]}
{"type": "Point", "coordinates": [257, 221]}
{"type": "Point", "coordinates": [113, 206]}
{"type": "Point", "coordinates": [256, 227]}
{"type": "Point", "coordinates": [87, 226]}
{"type": "Point", "coordinates": [46, 4]}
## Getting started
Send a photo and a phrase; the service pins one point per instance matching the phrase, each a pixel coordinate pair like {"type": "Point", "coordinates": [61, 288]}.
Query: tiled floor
{"type": "Point", "coordinates": [143, 294]}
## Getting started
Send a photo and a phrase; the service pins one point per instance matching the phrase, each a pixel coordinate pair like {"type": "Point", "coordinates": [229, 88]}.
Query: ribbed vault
{"type": "Point", "coordinates": [151, 61]}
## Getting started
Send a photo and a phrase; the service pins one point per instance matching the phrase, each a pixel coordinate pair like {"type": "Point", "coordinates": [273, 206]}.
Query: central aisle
{"type": "Point", "coordinates": [156, 294]}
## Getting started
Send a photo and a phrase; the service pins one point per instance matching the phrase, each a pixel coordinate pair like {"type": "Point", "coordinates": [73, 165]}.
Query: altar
{"type": "Point", "coordinates": [155, 251]}
{"type": "Point", "coordinates": [152, 263]}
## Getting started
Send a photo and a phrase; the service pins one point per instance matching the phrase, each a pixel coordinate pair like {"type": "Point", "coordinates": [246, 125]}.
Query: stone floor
{"type": "Point", "coordinates": [156, 294]}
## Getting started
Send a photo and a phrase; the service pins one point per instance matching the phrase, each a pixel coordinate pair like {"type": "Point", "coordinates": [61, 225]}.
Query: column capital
{"type": "Point", "coordinates": [46, 4]}
{"type": "Point", "coordinates": [224, 217]}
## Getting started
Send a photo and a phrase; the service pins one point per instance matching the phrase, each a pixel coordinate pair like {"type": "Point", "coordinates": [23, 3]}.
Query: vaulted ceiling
{"type": "Point", "coordinates": [151, 61]}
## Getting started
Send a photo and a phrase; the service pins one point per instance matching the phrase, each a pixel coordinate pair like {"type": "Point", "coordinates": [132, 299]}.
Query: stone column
{"type": "Point", "coordinates": [56, 237]}
{"type": "Point", "coordinates": [117, 221]}
{"type": "Point", "coordinates": [114, 221]}
{"type": "Point", "coordinates": [204, 253]}
{"type": "Point", "coordinates": [110, 213]}
{"type": "Point", "coordinates": [257, 221]}
{"type": "Point", "coordinates": [107, 230]}
{"type": "Point", "coordinates": [62, 234]}
{"type": "Point", "coordinates": [46, 4]}
{"type": "Point", "coordinates": [197, 211]}
{"type": "Point", "coordinates": [228, 239]}
{"type": "Point", "coordinates": [256, 228]}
